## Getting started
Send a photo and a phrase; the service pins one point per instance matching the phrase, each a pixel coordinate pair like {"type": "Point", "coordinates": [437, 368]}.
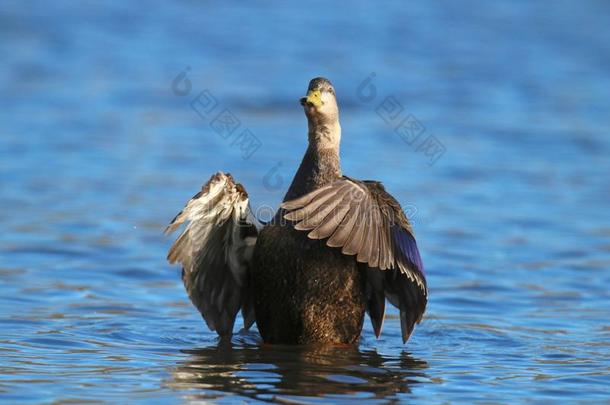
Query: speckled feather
{"type": "Point", "coordinates": [214, 250]}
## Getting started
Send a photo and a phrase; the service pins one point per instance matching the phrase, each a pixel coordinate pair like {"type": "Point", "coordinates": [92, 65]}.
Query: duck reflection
{"type": "Point", "coordinates": [293, 373]}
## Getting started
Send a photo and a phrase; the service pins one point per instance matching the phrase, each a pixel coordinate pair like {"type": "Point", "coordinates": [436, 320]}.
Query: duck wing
{"type": "Point", "coordinates": [214, 250]}
{"type": "Point", "coordinates": [364, 220]}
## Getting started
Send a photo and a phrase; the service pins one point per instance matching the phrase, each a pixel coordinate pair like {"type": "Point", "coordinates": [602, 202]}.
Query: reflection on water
{"type": "Point", "coordinates": [287, 373]}
{"type": "Point", "coordinates": [97, 153]}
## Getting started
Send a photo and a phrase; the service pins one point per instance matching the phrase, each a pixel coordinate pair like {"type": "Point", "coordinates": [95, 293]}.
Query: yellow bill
{"type": "Point", "coordinates": [314, 97]}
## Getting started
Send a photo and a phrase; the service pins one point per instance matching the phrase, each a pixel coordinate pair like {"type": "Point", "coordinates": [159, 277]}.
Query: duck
{"type": "Point", "coordinates": [336, 248]}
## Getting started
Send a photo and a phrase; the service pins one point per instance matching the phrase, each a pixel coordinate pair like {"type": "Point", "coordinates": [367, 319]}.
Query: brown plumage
{"type": "Point", "coordinates": [337, 247]}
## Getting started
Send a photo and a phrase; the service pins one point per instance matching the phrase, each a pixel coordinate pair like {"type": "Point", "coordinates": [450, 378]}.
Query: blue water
{"type": "Point", "coordinates": [99, 148]}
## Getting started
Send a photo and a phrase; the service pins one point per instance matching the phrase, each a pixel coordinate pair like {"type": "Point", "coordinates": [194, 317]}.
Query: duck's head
{"type": "Point", "coordinates": [320, 103]}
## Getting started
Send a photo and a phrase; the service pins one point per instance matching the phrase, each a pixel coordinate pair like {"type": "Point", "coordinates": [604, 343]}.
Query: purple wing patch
{"type": "Point", "coordinates": [408, 246]}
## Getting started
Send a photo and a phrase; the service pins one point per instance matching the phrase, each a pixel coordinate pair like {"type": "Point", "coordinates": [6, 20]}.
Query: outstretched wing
{"type": "Point", "coordinates": [362, 219]}
{"type": "Point", "coordinates": [214, 250]}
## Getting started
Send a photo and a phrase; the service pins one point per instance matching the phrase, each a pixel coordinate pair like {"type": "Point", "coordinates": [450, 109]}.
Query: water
{"type": "Point", "coordinates": [97, 153]}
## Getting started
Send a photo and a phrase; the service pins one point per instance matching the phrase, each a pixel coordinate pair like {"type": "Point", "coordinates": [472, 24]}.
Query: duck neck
{"type": "Point", "coordinates": [320, 165]}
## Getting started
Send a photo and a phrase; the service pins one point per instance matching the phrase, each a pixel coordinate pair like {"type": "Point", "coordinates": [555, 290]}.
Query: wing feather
{"type": "Point", "coordinates": [317, 216]}
{"type": "Point", "coordinates": [342, 232]}
{"type": "Point", "coordinates": [354, 241]}
{"type": "Point", "coordinates": [376, 299]}
{"type": "Point", "coordinates": [384, 253]}
{"type": "Point", "coordinates": [332, 220]}
{"type": "Point", "coordinates": [314, 205]}
{"type": "Point", "coordinates": [305, 199]}
{"type": "Point", "coordinates": [214, 250]}
{"type": "Point", "coordinates": [362, 219]}
{"type": "Point", "coordinates": [363, 255]}
{"type": "Point", "coordinates": [376, 225]}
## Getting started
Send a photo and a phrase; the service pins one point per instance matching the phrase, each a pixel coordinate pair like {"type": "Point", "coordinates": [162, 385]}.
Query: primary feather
{"type": "Point", "coordinates": [214, 250]}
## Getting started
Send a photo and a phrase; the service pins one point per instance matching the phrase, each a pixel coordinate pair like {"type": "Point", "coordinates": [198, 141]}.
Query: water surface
{"type": "Point", "coordinates": [98, 151]}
